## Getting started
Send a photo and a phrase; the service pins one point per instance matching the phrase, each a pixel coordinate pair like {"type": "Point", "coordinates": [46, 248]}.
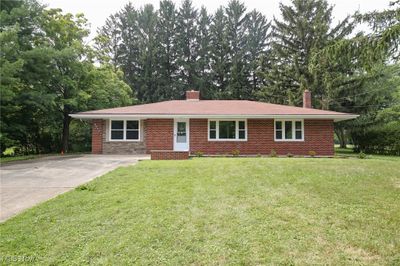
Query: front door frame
{"type": "Point", "coordinates": [179, 147]}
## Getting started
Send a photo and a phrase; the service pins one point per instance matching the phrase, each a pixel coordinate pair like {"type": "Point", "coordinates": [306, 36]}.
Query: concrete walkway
{"type": "Point", "coordinates": [27, 183]}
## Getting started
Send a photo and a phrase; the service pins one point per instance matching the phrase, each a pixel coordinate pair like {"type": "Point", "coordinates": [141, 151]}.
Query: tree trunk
{"type": "Point", "coordinates": [65, 132]}
{"type": "Point", "coordinates": [341, 136]}
{"type": "Point", "coordinates": [254, 81]}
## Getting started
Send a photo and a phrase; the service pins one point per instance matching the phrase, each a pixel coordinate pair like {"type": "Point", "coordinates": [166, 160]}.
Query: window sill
{"type": "Point", "coordinates": [121, 140]}
{"type": "Point", "coordinates": [289, 140]}
{"type": "Point", "coordinates": [228, 140]}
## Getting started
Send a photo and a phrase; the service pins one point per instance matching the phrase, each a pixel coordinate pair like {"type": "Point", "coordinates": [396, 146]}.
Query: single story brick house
{"type": "Point", "coordinates": [174, 129]}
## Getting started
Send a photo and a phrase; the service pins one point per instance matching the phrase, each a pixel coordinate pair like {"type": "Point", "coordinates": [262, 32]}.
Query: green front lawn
{"type": "Point", "coordinates": [220, 211]}
{"type": "Point", "coordinates": [348, 153]}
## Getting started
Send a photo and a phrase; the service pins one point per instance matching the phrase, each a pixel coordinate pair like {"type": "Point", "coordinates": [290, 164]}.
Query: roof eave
{"type": "Point", "coordinates": [335, 117]}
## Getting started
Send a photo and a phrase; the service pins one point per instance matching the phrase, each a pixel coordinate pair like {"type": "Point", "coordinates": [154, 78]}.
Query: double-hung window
{"type": "Point", "coordinates": [227, 130]}
{"type": "Point", "coordinates": [289, 130]}
{"type": "Point", "coordinates": [125, 130]}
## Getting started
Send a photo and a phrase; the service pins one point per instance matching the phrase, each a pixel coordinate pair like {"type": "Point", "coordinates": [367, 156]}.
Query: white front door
{"type": "Point", "coordinates": [181, 134]}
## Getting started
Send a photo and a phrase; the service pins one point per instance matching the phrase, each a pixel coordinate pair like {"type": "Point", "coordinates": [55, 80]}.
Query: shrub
{"type": "Point", "coordinates": [199, 154]}
{"type": "Point", "coordinates": [378, 139]}
{"type": "Point", "coordinates": [312, 153]}
{"type": "Point", "coordinates": [236, 153]}
{"type": "Point", "coordinates": [289, 155]}
{"type": "Point", "coordinates": [258, 155]}
{"type": "Point", "coordinates": [362, 155]}
{"type": "Point", "coordinates": [9, 151]}
{"type": "Point", "coordinates": [273, 153]}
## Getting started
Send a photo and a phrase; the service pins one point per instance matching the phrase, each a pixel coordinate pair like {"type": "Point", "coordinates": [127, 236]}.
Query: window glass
{"type": "Point", "coordinates": [213, 130]}
{"type": "Point", "coordinates": [278, 129]}
{"type": "Point", "coordinates": [298, 134]}
{"type": "Point", "coordinates": [132, 129]}
{"type": "Point", "coordinates": [181, 128]}
{"type": "Point", "coordinates": [242, 130]}
{"type": "Point", "coordinates": [242, 134]}
{"type": "Point", "coordinates": [278, 134]}
{"type": "Point", "coordinates": [299, 130]}
{"type": "Point", "coordinates": [213, 125]}
{"type": "Point", "coordinates": [213, 134]}
{"type": "Point", "coordinates": [181, 132]}
{"type": "Point", "coordinates": [117, 129]}
{"type": "Point", "coordinates": [117, 134]}
{"type": "Point", "coordinates": [227, 129]}
{"type": "Point", "coordinates": [288, 130]}
{"type": "Point", "coordinates": [133, 134]}
{"type": "Point", "coordinates": [132, 124]}
{"type": "Point", "coordinates": [278, 125]}
{"type": "Point", "coordinates": [117, 125]}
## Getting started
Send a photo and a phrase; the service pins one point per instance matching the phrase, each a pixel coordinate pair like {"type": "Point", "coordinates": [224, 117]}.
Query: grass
{"type": "Point", "coordinates": [17, 158]}
{"type": "Point", "coordinates": [220, 211]}
{"type": "Point", "coordinates": [4, 160]}
{"type": "Point", "coordinates": [348, 152]}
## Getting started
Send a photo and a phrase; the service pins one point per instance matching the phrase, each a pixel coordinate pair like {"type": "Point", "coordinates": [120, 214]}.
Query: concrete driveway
{"type": "Point", "coordinates": [27, 183]}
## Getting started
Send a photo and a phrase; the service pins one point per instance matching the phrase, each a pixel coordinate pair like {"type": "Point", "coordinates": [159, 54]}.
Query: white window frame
{"type": "Point", "coordinates": [124, 130]}
{"type": "Point", "coordinates": [236, 129]}
{"type": "Point", "coordinates": [293, 129]}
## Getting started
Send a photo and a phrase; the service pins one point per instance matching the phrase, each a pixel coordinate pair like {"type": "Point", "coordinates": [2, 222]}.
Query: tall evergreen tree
{"type": "Point", "coordinates": [108, 41]}
{"type": "Point", "coordinates": [204, 52]}
{"type": "Point", "coordinates": [117, 43]}
{"type": "Point", "coordinates": [351, 68]}
{"type": "Point", "coordinates": [167, 51]}
{"type": "Point", "coordinates": [187, 45]}
{"type": "Point", "coordinates": [257, 27]}
{"type": "Point", "coordinates": [216, 54]}
{"type": "Point", "coordinates": [238, 86]}
{"type": "Point", "coordinates": [129, 51]}
{"type": "Point", "coordinates": [147, 83]}
{"type": "Point", "coordinates": [304, 29]}
{"type": "Point", "coordinates": [220, 64]}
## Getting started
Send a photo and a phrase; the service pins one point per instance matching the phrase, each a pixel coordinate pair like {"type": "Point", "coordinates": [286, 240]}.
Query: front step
{"type": "Point", "coordinates": [169, 155]}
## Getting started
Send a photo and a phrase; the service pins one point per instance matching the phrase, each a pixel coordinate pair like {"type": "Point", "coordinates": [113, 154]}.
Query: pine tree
{"type": "Point", "coordinates": [217, 55]}
{"type": "Point", "coordinates": [147, 43]}
{"type": "Point", "coordinates": [129, 49]}
{"type": "Point", "coordinates": [305, 28]}
{"type": "Point", "coordinates": [187, 45]}
{"type": "Point", "coordinates": [203, 58]}
{"type": "Point", "coordinates": [238, 86]}
{"type": "Point", "coordinates": [355, 74]}
{"type": "Point", "coordinates": [257, 27]}
{"type": "Point", "coordinates": [220, 64]}
{"type": "Point", "coordinates": [167, 51]}
{"type": "Point", "coordinates": [109, 40]}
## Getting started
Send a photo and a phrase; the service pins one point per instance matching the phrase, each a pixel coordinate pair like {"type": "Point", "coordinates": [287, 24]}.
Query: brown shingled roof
{"type": "Point", "coordinates": [211, 107]}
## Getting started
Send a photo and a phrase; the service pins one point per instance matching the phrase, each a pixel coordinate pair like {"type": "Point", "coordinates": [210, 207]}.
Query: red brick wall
{"type": "Point", "coordinates": [97, 136]}
{"type": "Point", "coordinates": [159, 134]}
{"type": "Point", "coordinates": [169, 155]}
{"type": "Point", "coordinates": [318, 137]}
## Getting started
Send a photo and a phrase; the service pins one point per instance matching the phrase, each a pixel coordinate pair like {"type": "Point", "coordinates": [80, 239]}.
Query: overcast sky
{"type": "Point", "coordinates": [96, 11]}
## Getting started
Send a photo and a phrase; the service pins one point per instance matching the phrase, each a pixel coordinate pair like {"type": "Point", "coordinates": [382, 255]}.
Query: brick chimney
{"type": "Point", "coordinates": [307, 99]}
{"type": "Point", "coordinates": [192, 95]}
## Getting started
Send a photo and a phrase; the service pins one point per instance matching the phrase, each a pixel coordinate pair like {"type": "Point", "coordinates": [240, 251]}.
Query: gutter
{"type": "Point", "coordinates": [335, 117]}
